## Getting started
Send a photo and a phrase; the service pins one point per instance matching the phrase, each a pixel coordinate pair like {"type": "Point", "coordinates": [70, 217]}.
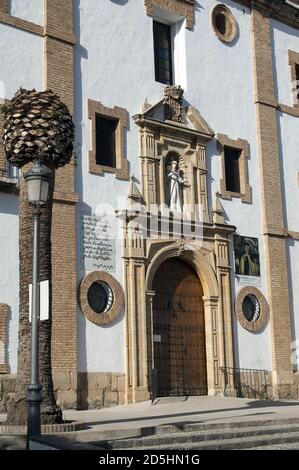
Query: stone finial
{"type": "Point", "coordinates": [173, 103]}
{"type": "Point", "coordinates": [134, 195]}
{"type": "Point", "coordinates": [218, 212]}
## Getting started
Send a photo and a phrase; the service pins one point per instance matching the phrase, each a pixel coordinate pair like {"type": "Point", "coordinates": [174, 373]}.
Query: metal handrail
{"type": "Point", "coordinates": [248, 383]}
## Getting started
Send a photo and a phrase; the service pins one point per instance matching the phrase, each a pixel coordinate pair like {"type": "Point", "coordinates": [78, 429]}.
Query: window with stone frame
{"type": "Point", "coordinates": [183, 8]}
{"type": "Point", "coordinates": [234, 168]}
{"type": "Point", "coordinates": [163, 53]}
{"type": "Point", "coordinates": [294, 68]}
{"type": "Point", "coordinates": [108, 150]}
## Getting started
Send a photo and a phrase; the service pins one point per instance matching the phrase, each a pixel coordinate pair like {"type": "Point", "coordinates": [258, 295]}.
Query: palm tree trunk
{"type": "Point", "coordinates": [17, 407]}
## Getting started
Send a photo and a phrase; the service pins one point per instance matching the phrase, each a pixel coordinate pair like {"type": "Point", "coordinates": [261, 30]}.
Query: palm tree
{"type": "Point", "coordinates": [36, 125]}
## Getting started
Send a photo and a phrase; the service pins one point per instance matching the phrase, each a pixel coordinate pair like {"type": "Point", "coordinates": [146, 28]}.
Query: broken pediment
{"type": "Point", "coordinates": [174, 113]}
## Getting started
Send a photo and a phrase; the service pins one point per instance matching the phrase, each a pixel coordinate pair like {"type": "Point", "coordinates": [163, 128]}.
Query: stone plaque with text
{"type": "Point", "coordinates": [99, 243]}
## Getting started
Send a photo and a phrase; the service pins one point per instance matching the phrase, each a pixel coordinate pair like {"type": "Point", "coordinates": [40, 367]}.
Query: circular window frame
{"type": "Point", "coordinates": [252, 326]}
{"type": "Point", "coordinates": [232, 25]}
{"type": "Point", "coordinates": [108, 317]}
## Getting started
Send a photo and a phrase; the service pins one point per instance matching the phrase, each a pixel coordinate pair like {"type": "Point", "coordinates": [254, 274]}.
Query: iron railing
{"type": "Point", "coordinates": [248, 383]}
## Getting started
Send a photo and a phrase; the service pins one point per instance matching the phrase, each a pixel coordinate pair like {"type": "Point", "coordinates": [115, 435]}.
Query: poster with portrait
{"type": "Point", "coordinates": [247, 258]}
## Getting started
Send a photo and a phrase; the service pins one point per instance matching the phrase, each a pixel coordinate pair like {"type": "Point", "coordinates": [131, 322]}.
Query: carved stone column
{"type": "Point", "coordinates": [213, 349]}
{"type": "Point", "coordinates": [223, 274]}
{"type": "Point", "coordinates": [136, 319]}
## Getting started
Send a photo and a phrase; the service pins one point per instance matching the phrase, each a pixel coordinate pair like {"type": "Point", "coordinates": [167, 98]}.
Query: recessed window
{"type": "Point", "coordinates": [251, 308]}
{"type": "Point", "coordinates": [220, 22]}
{"type": "Point", "coordinates": [108, 148]}
{"type": "Point", "coordinates": [105, 141]}
{"type": "Point", "coordinates": [163, 53]}
{"type": "Point", "coordinates": [234, 181]}
{"type": "Point", "coordinates": [100, 297]}
{"type": "Point", "coordinates": [224, 24]}
{"type": "Point", "coordinates": [297, 81]}
{"type": "Point", "coordinates": [232, 169]}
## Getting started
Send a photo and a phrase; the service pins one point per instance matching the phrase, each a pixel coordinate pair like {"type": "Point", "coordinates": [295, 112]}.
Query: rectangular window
{"type": "Point", "coordinates": [163, 53]}
{"type": "Point", "coordinates": [297, 81]}
{"type": "Point", "coordinates": [105, 141]}
{"type": "Point", "coordinates": [232, 169]}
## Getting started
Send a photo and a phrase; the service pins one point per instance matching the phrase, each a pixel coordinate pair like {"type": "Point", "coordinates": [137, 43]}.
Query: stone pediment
{"type": "Point", "coordinates": [191, 119]}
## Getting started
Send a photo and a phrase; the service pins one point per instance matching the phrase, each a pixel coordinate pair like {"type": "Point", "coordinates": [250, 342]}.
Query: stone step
{"type": "Point", "coordinates": [193, 435]}
{"type": "Point", "coordinates": [9, 442]}
{"type": "Point", "coordinates": [265, 441]}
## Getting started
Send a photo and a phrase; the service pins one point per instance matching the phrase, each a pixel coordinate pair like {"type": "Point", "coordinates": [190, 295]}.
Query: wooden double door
{"type": "Point", "coordinates": [179, 330]}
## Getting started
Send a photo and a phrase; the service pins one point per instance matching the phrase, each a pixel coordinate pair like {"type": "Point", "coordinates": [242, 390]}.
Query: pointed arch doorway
{"type": "Point", "coordinates": [179, 330]}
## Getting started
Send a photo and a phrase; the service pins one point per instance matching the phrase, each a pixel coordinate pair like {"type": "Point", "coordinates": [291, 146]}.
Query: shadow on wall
{"type": "Point", "coordinates": [119, 2]}
{"type": "Point", "coordinates": [9, 204]}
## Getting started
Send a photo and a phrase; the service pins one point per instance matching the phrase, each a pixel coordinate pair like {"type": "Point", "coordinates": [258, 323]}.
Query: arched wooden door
{"type": "Point", "coordinates": [179, 331]}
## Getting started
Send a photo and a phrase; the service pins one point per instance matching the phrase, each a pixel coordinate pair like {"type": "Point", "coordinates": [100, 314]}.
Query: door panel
{"type": "Point", "coordinates": [179, 333]}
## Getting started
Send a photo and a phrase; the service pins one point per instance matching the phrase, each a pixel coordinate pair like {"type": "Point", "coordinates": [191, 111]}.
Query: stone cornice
{"type": "Point", "coordinates": [277, 9]}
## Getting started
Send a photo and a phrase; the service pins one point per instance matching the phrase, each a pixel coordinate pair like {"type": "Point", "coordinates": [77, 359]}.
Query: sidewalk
{"type": "Point", "coordinates": [204, 409]}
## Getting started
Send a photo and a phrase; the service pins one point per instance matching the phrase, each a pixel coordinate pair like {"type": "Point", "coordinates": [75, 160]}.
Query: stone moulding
{"type": "Point", "coordinates": [121, 115]}
{"type": "Point", "coordinates": [231, 24]}
{"type": "Point", "coordinates": [264, 309]}
{"type": "Point", "coordinates": [118, 298]}
{"type": "Point", "coordinates": [184, 8]}
{"type": "Point", "coordinates": [245, 190]}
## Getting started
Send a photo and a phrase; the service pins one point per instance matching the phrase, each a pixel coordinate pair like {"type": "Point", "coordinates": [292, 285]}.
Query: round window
{"type": "Point", "coordinates": [220, 23]}
{"type": "Point", "coordinates": [251, 308]}
{"type": "Point", "coordinates": [224, 23]}
{"type": "Point", "coordinates": [100, 297]}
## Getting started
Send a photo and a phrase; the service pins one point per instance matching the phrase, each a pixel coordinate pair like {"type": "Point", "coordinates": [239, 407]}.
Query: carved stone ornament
{"type": "Point", "coordinates": [173, 103]}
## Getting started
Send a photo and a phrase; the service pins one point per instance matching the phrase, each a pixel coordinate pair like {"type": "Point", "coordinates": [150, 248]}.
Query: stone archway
{"type": "Point", "coordinates": [201, 260]}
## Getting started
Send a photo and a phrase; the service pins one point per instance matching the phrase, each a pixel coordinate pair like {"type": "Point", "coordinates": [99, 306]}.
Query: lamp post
{"type": "Point", "coordinates": [37, 182]}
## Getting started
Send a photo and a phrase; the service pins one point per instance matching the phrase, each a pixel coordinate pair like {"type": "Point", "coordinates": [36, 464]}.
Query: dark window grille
{"type": "Point", "coordinates": [232, 170]}
{"type": "Point", "coordinates": [105, 141]}
{"type": "Point", "coordinates": [163, 53]}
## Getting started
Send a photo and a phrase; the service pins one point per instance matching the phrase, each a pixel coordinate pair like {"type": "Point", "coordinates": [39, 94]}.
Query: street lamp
{"type": "Point", "coordinates": [37, 181]}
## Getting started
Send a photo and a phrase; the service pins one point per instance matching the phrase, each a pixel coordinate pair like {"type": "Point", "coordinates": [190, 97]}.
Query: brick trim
{"type": "Point", "coordinates": [278, 10]}
{"type": "Point", "coordinates": [184, 8]}
{"type": "Point", "coordinates": [271, 196]}
{"type": "Point", "coordinates": [122, 167]}
{"type": "Point", "coordinates": [21, 24]}
{"type": "Point", "coordinates": [260, 324]}
{"type": "Point", "coordinates": [245, 189]}
{"type": "Point", "coordinates": [3, 338]}
{"type": "Point", "coordinates": [118, 298]}
{"type": "Point", "coordinates": [59, 76]}
{"type": "Point", "coordinates": [59, 20]}
{"type": "Point", "coordinates": [4, 6]}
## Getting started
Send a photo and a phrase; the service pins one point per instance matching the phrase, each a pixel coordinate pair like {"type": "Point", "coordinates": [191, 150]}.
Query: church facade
{"type": "Point", "coordinates": [175, 232]}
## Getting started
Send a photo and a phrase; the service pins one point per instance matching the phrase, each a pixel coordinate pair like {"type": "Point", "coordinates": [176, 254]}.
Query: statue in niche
{"type": "Point", "coordinates": [175, 184]}
{"type": "Point", "coordinates": [173, 103]}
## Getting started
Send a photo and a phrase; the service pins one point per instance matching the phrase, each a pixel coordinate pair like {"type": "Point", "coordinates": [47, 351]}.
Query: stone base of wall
{"type": "Point", "coordinates": [65, 389]}
{"type": "Point", "coordinates": [98, 390]}
{"type": "Point", "coordinates": [7, 390]}
{"type": "Point", "coordinates": [95, 390]}
{"type": "Point", "coordinates": [80, 391]}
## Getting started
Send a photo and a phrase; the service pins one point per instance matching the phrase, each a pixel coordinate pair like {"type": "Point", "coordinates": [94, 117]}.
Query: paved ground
{"type": "Point", "coordinates": [184, 410]}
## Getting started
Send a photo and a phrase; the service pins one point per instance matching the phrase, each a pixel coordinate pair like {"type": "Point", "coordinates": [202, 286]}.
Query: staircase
{"type": "Point", "coordinates": [258, 434]}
